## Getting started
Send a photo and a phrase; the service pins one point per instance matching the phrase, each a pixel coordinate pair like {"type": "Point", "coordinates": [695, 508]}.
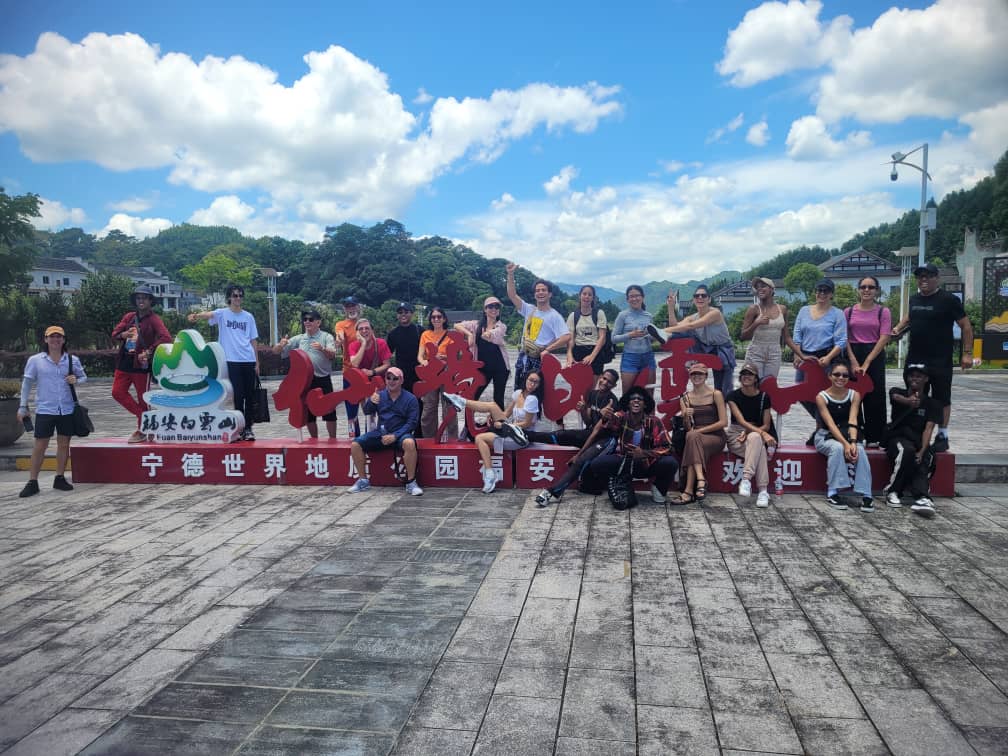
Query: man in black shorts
{"type": "Point", "coordinates": [398, 415]}
{"type": "Point", "coordinates": [929, 319]}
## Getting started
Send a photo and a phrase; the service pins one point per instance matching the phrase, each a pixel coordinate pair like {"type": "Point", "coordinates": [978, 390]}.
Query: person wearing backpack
{"type": "Point", "coordinates": [591, 344]}
{"type": "Point", "coordinates": [869, 325]}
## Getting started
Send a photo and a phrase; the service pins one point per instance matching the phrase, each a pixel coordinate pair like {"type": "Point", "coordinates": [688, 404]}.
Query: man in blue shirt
{"type": "Point", "coordinates": [398, 414]}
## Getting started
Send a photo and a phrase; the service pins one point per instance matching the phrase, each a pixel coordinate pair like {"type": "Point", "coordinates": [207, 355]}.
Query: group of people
{"type": "Point", "coordinates": [846, 344]}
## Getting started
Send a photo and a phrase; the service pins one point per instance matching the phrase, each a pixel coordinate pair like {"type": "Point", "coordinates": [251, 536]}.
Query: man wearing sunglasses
{"type": "Point", "coordinates": [321, 349]}
{"type": "Point", "coordinates": [404, 341]}
{"type": "Point", "coordinates": [398, 414]}
{"type": "Point", "coordinates": [238, 336]}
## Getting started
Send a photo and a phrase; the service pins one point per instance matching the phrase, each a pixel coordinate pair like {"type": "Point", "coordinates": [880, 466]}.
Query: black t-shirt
{"type": "Point", "coordinates": [911, 421]}
{"type": "Point", "coordinates": [597, 402]}
{"type": "Point", "coordinates": [752, 408]}
{"type": "Point", "coordinates": [404, 341]}
{"type": "Point", "coordinates": [931, 320]}
{"type": "Point", "coordinates": [489, 354]}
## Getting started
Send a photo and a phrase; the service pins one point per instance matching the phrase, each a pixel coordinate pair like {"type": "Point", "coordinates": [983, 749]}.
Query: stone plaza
{"type": "Point", "coordinates": [307, 620]}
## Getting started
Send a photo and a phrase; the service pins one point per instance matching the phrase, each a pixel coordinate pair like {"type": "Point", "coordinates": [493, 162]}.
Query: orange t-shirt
{"type": "Point", "coordinates": [347, 329]}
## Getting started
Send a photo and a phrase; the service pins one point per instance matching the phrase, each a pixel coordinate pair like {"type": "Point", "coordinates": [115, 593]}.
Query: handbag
{"type": "Point", "coordinates": [260, 404]}
{"type": "Point", "coordinates": [621, 490]}
{"type": "Point", "coordinates": [82, 425]}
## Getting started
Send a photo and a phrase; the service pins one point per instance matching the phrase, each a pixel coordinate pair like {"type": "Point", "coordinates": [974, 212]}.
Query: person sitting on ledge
{"type": "Point", "coordinates": [508, 425]}
{"type": "Point", "coordinates": [915, 415]}
{"type": "Point", "coordinates": [398, 414]}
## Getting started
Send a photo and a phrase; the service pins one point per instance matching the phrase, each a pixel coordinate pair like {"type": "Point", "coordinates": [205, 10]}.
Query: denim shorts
{"type": "Point", "coordinates": [636, 362]}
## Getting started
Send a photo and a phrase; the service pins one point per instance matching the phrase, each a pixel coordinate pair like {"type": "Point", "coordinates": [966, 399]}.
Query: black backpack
{"type": "Point", "coordinates": [607, 352]}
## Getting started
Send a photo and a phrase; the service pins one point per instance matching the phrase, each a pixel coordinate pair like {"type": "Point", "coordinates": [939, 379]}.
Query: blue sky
{"type": "Point", "coordinates": [586, 141]}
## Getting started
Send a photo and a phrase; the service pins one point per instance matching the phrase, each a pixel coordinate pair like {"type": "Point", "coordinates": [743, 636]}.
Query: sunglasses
{"type": "Point", "coordinates": [824, 290]}
{"type": "Point", "coordinates": [694, 375]}
{"type": "Point", "coordinates": [701, 296]}
{"type": "Point", "coordinates": [840, 375]}
{"type": "Point", "coordinates": [492, 307]}
{"type": "Point", "coordinates": [392, 377]}
{"type": "Point", "coordinates": [866, 288]}
{"type": "Point", "coordinates": [308, 320]}
{"type": "Point", "coordinates": [437, 317]}
{"type": "Point", "coordinates": [746, 373]}
{"type": "Point", "coordinates": [237, 293]}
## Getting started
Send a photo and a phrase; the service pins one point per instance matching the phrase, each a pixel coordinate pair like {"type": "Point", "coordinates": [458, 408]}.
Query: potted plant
{"type": "Point", "coordinates": [11, 428]}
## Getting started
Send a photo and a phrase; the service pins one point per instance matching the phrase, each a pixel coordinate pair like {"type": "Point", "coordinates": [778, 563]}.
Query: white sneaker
{"type": "Point", "coordinates": [458, 402]}
{"type": "Point", "coordinates": [657, 334]}
{"type": "Point", "coordinates": [763, 500]}
{"type": "Point", "coordinates": [657, 496]}
{"type": "Point", "coordinates": [745, 487]}
{"type": "Point", "coordinates": [413, 488]}
{"type": "Point", "coordinates": [489, 481]}
{"type": "Point", "coordinates": [923, 506]}
{"type": "Point", "coordinates": [362, 484]}
{"type": "Point", "coordinates": [893, 499]}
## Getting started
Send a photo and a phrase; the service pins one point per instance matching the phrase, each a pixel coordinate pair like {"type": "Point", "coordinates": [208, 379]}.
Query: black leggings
{"type": "Point", "coordinates": [499, 380]}
{"type": "Point", "coordinates": [873, 405]}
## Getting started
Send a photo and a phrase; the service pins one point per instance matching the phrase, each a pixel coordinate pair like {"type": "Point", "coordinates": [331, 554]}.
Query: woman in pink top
{"type": "Point", "coordinates": [869, 326]}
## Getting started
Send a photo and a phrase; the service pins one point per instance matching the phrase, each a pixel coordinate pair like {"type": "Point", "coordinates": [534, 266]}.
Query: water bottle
{"type": "Point", "coordinates": [778, 486]}
{"type": "Point", "coordinates": [131, 345]}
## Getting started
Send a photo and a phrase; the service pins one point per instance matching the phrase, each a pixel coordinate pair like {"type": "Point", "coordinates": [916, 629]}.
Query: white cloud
{"type": "Point", "coordinates": [733, 125]}
{"type": "Point", "coordinates": [55, 215]}
{"type": "Point", "coordinates": [336, 139]}
{"type": "Point", "coordinates": [671, 166]}
{"type": "Point", "coordinates": [758, 134]}
{"type": "Point", "coordinates": [989, 134]}
{"type": "Point", "coordinates": [131, 225]}
{"type": "Point", "coordinates": [505, 200]}
{"type": "Point", "coordinates": [230, 210]}
{"type": "Point", "coordinates": [944, 60]}
{"type": "Point", "coordinates": [422, 97]}
{"type": "Point", "coordinates": [775, 38]}
{"type": "Point", "coordinates": [560, 184]}
{"type": "Point", "coordinates": [809, 139]}
{"type": "Point", "coordinates": [132, 205]}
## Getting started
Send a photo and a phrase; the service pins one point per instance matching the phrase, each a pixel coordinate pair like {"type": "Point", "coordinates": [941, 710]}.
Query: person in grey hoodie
{"type": "Point", "coordinates": [630, 330]}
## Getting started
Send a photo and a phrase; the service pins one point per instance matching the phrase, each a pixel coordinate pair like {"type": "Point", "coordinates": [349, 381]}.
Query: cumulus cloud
{"type": "Point", "coordinates": [422, 97]}
{"type": "Point", "coordinates": [337, 139]}
{"type": "Point", "coordinates": [560, 183]}
{"type": "Point", "coordinates": [775, 38]}
{"type": "Point", "coordinates": [733, 125]}
{"type": "Point", "coordinates": [131, 225]}
{"type": "Point", "coordinates": [809, 139]}
{"type": "Point", "coordinates": [132, 205]}
{"type": "Point", "coordinates": [758, 134]}
{"type": "Point", "coordinates": [55, 215]}
{"type": "Point", "coordinates": [505, 200]}
{"type": "Point", "coordinates": [231, 210]}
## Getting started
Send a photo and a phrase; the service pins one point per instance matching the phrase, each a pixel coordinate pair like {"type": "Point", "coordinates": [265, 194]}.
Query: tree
{"type": "Point", "coordinates": [17, 237]}
{"type": "Point", "coordinates": [221, 266]}
{"type": "Point", "coordinates": [845, 295]}
{"type": "Point", "coordinates": [803, 277]}
{"type": "Point", "coordinates": [98, 306]}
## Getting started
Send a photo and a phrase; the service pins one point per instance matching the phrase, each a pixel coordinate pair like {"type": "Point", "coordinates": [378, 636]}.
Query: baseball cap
{"type": "Point", "coordinates": [351, 300]}
{"type": "Point", "coordinates": [404, 307]}
{"type": "Point", "coordinates": [394, 371]}
{"type": "Point", "coordinates": [918, 368]}
{"type": "Point", "coordinates": [826, 283]}
{"type": "Point", "coordinates": [54, 329]}
{"type": "Point", "coordinates": [926, 270]}
{"type": "Point", "coordinates": [313, 314]}
{"type": "Point", "coordinates": [748, 367]}
{"type": "Point", "coordinates": [760, 279]}
{"type": "Point", "coordinates": [490, 301]}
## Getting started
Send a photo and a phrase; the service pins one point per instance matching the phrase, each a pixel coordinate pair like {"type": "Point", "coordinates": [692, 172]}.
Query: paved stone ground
{"type": "Point", "coordinates": [201, 619]}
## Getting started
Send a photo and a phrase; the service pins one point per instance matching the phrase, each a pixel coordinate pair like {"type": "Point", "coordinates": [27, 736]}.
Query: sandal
{"type": "Point", "coordinates": [684, 498]}
{"type": "Point", "coordinates": [701, 490]}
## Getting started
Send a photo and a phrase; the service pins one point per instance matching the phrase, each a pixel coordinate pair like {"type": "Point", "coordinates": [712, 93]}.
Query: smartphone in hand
{"type": "Point", "coordinates": [26, 421]}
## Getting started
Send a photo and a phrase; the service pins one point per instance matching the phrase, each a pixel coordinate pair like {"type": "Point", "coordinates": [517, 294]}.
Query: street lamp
{"type": "Point", "coordinates": [271, 297]}
{"type": "Point", "coordinates": [900, 158]}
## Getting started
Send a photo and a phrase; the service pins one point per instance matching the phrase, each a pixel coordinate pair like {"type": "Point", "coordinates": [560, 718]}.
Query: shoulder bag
{"type": "Point", "coordinates": [82, 425]}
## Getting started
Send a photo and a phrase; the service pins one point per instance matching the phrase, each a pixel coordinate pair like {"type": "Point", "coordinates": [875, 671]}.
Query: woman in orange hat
{"type": "Point", "coordinates": [54, 372]}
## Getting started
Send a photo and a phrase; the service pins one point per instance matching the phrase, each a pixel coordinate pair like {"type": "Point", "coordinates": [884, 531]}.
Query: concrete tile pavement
{"type": "Point", "coordinates": [252, 620]}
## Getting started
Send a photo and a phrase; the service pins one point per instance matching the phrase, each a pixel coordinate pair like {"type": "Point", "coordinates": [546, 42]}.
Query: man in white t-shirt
{"type": "Point", "coordinates": [544, 329]}
{"type": "Point", "coordinates": [238, 336]}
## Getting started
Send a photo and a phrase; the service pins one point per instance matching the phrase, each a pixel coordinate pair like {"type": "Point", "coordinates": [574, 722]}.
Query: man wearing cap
{"type": "Point", "coordinates": [404, 341]}
{"type": "Point", "coordinates": [321, 349]}
{"type": "Point", "coordinates": [140, 330]}
{"type": "Point", "coordinates": [398, 414]}
{"type": "Point", "coordinates": [544, 329]}
{"type": "Point", "coordinates": [929, 320]}
{"type": "Point", "coordinates": [345, 333]}
{"type": "Point", "coordinates": [766, 324]}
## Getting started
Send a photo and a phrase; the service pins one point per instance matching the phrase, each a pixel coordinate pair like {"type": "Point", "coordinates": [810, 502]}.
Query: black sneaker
{"type": "Point", "coordinates": [655, 333]}
{"type": "Point", "coordinates": [248, 435]}
{"type": "Point", "coordinates": [31, 488]}
{"type": "Point", "coordinates": [545, 498]}
{"type": "Point", "coordinates": [512, 431]}
{"type": "Point", "coordinates": [940, 444]}
{"type": "Point", "coordinates": [60, 484]}
{"type": "Point", "coordinates": [867, 505]}
{"type": "Point", "coordinates": [836, 502]}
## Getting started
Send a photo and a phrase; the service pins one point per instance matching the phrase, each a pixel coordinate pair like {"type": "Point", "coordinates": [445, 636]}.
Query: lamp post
{"type": "Point", "coordinates": [271, 297]}
{"type": "Point", "coordinates": [900, 158]}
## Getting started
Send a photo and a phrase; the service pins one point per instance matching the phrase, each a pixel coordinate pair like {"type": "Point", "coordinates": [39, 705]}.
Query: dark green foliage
{"type": "Point", "coordinates": [17, 238]}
